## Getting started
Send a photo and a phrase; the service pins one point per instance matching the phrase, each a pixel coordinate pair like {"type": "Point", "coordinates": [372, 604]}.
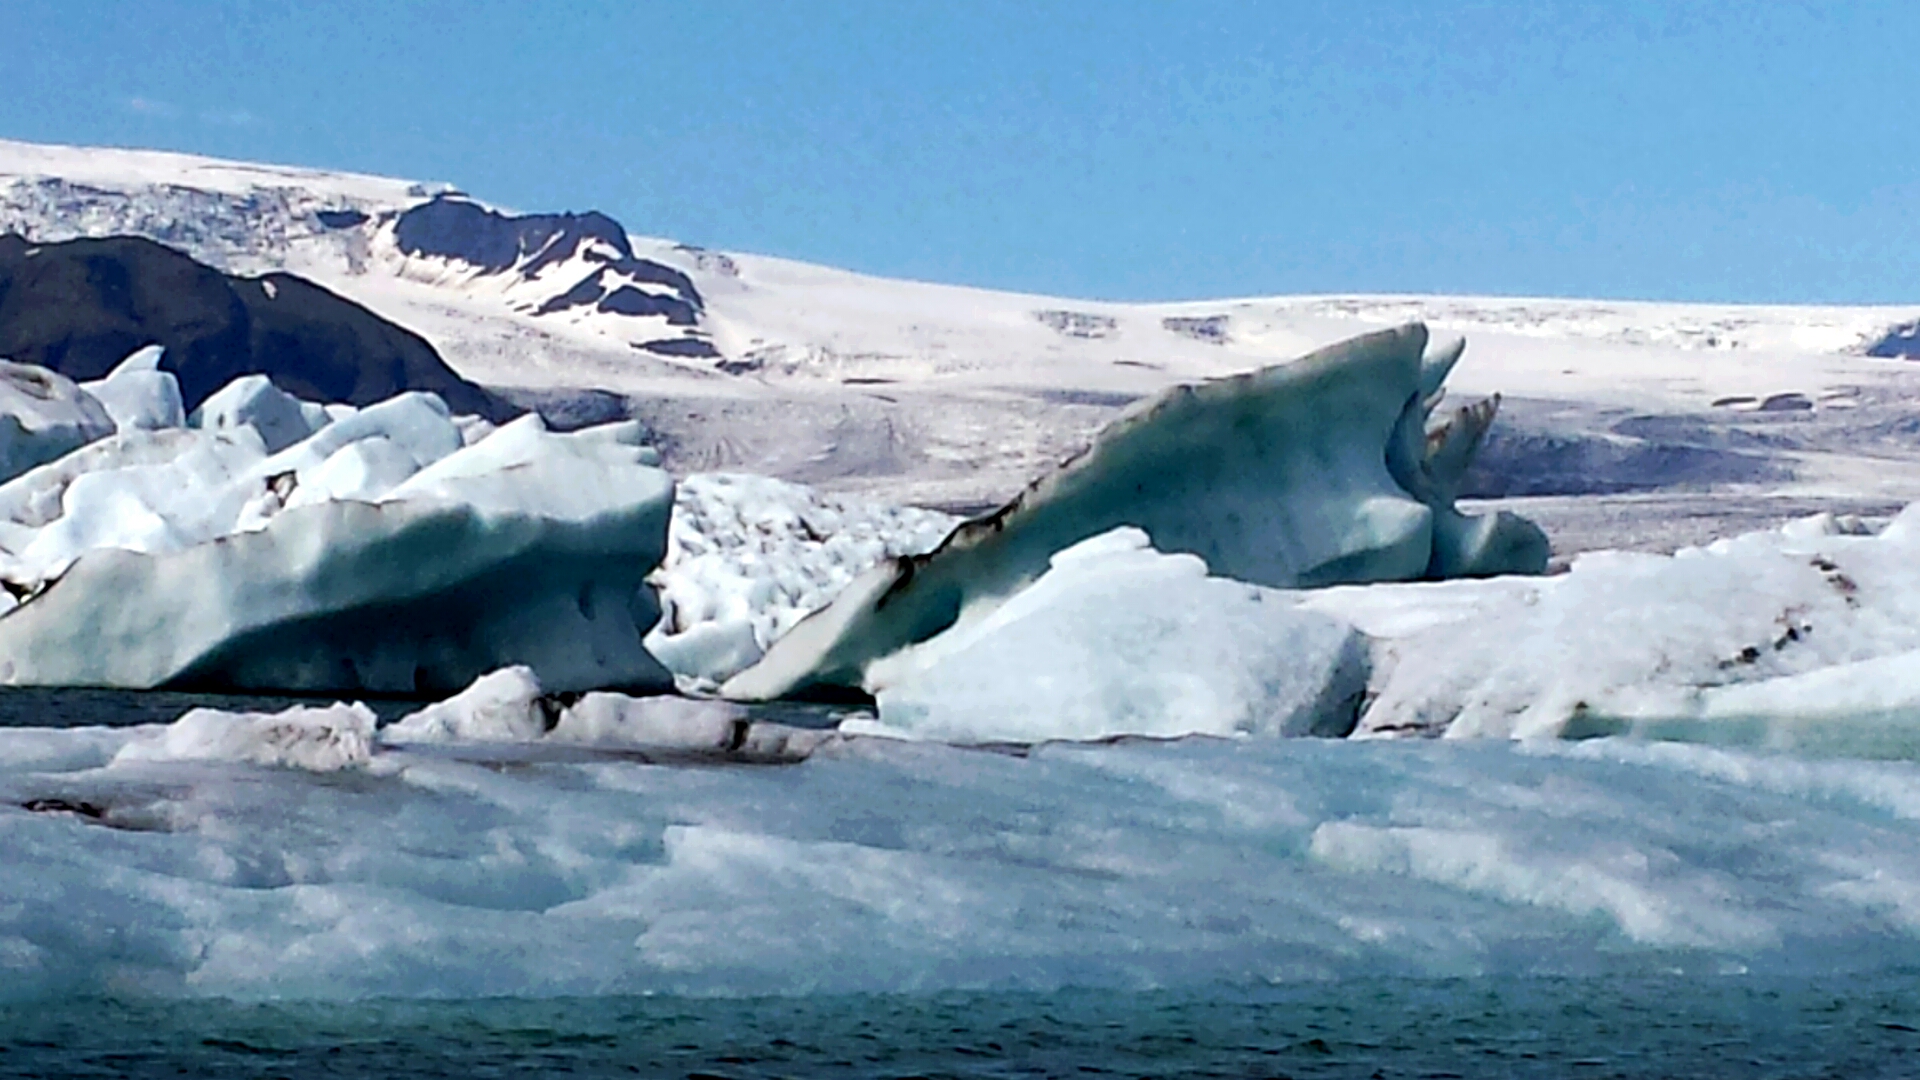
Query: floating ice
{"type": "Point", "coordinates": [325, 739]}
{"type": "Point", "coordinates": [1799, 637]}
{"type": "Point", "coordinates": [1118, 639]}
{"type": "Point", "coordinates": [886, 866]}
{"type": "Point", "coordinates": [382, 552]}
{"type": "Point", "coordinates": [138, 395]}
{"type": "Point", "coordinates": [749, 556]}
{"type": "Point", "coordinates": [510, 706]}
{"type": "Point", "coordinates": [1309, 473]}
{"type": "Point", "coordinates": [42, 416]}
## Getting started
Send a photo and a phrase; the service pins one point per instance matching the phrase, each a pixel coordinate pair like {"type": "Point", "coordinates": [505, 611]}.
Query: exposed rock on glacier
{"type": "Point", "coordinates": [42, 416]}
{"type": "Point", "coordinates": [518, 255]}
{"type": "Point", "coordinates": [379, 554]}
{"type": "Point", "coordinates": [1803, 637]}
{"type": "Point", "coordinates": [1117, 639]}
{"type": "Point", "coordinates": [1311, 473]}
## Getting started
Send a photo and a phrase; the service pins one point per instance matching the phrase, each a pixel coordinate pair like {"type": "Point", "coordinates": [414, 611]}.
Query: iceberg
{"type": "Point", "coordinates": [510, 707]}
{"type": "Point", "coordinates": [317, 739]}
{"type": "Point", "coordinates": [253, 401]}
{"type": "Point", "coordinates": [1800, 638]}
{"type": "Point", "coordinates": [380, 552]}
{"type": "Point", "coordinates": [137, 395]}
{"type": "Point", "coordinates": [749, 556]}
{"type": "Point", "coordinates": [1117, 639]}
{"type": "Point", "coordinates": [43, 415]}
{"type": "Point", "coordinates": [1330, 469]}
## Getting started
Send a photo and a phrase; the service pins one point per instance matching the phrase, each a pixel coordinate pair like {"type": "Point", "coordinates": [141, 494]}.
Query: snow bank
{"type": "Point", "coordinates": [915, 867]}
{"type": "Point", "coordinates": [749, 556]}
{"type": "Point", "coordinates": [376, 549]}
{"type": "Point", "coordinates": [1799, 637]}
{"type": "Point", "coordinates": [1117, 639]}
{"type": "Point", "coordinates": [1319, 471]}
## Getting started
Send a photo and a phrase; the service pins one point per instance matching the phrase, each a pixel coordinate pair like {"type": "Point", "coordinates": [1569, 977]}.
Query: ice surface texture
{"type": "Point", "coordinates": [278, 546]}
{"type": "Point", "coordinates": [1316, 472]}
{"type": "Point", "coordinates": [1805, 637]}
{"type": "Point", "coordinates": [882, 865]}
{"type": "Point", "coordinates": [138, 395]}
{"type": "Point", "coordinates": [749, 556]}
{"type": "Point", "coordinates": [511, 707]}
{"type": "Point", "coordinates": [1117, 639]}
{"type": "Point", "coordinates": [42, 416]}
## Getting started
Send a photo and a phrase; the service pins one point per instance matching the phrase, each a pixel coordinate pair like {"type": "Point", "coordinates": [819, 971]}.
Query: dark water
{"type": "Point", "coordinates": [65, 707]}
{"type": "Point", "coordinates": [1729, 1027]}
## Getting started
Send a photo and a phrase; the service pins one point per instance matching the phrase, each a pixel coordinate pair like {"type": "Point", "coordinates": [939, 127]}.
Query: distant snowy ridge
{"type": "Point", "coordinates": [955, 396]}
{"type": "Point", "coordinates": [251, 217]}
{"type": "Point", "coordinates": [580, 268]}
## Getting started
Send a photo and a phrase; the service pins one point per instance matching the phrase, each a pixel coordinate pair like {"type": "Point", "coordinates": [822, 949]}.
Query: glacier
{"type": "Point", "coordinates": [1669, 794]}
{"type": "Point", "coordinates": [1689, 763]}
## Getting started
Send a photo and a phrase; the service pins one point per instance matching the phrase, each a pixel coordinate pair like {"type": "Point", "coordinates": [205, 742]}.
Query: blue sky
{"type": "Point", "coordinates": [1757, 151]}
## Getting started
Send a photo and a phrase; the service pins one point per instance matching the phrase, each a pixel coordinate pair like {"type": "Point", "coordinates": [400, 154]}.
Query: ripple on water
{"type": "Point", "coordinates": [1598, 1028]}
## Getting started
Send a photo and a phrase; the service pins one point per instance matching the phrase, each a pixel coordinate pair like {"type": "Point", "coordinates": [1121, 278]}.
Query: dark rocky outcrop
{"type": "Point", "coordinates": [81, 306]}
{"type": "Point", "coordinates": [689, 347]}
{"type": "Point", "coordinates": [1900, 343]}
{"type": "Point", "coordinates": [524, 244]}
{"type": "Point", "coordinates": [341, 219]}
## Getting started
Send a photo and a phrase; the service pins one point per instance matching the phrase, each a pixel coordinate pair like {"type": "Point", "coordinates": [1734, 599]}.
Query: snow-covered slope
{"type": "Point", "coordinates": [956, 395]}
